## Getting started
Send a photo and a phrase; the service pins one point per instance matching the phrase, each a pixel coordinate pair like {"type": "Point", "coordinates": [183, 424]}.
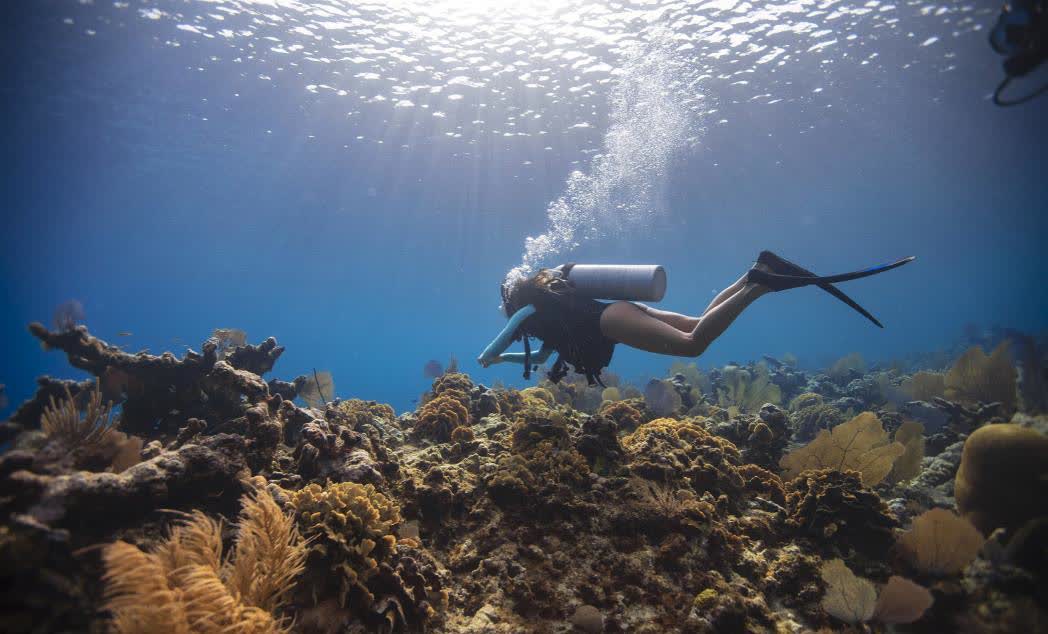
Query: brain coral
{"type": "Point", "coordinates": [1003, 477]}
{"type": "Point", "coordinates": [352, 531]}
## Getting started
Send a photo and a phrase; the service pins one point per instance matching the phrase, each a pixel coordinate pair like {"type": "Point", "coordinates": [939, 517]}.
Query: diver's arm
{"type": "Point", "coordinates": [518, 357]}
{"type": "Point", "coordinates": [491, 354]}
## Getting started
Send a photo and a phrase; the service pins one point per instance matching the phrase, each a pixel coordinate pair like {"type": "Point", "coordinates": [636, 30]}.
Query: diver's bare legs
{"type": "Point", "coordinates": [641, 328]}
{"type": "Point", "coordinates": [686, 323]}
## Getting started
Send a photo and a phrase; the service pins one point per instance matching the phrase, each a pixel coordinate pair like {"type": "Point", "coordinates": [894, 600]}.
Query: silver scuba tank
{"type": "Point", "coordinates": [630, 282]}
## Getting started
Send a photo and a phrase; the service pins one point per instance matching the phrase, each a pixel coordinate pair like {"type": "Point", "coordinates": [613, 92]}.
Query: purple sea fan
{"type": "Point", "coordinates": [67, 315]}
{"type": "Point", "coordinates": [432, 369]}
{"type": "Point", "coordinates": [661, 397]}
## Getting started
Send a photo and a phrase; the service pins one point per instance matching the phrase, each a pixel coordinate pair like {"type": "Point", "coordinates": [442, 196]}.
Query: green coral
{"type": "Point", "coordinates": [351, 528]}
{"type": "Point", "coordinates": [747, 390]}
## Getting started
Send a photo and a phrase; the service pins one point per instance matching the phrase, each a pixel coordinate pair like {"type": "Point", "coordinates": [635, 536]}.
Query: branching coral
{"type": "Point", "coordinates": [861, 444]}
{"type": "Point", "coordinates": [352, 528]}
{"type": "Point", "coordinates": [186, 585]}
{"type": "Point", "coordinates": [976, 377]}
{"type": "Point", "coordinates": [747, 390]}
{"type": "Point", "coordinates": [229, 339]}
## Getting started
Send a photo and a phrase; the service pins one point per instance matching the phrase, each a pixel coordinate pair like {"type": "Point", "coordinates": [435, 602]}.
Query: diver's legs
{"type": "Point", "coordinates": [634, 326]}
{"type": "Point", "coordinates": [725, 294]}
{"type": "Point", "coordinates": [687, 323]}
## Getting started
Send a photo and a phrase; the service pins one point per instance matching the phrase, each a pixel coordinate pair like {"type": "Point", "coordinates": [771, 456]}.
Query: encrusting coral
{"type": "Point", "coordinates": [186, 584]}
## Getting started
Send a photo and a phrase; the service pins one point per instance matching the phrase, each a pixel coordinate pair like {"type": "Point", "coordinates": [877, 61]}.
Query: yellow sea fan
{"type": "Point", "coordinates": [860, 444]}
{"type": "Point", "coordinates": [850, 598]}
{"type": "Point", "coordinates": [941, 543]}
{"type": "Point", "coordinates": [978, 377]}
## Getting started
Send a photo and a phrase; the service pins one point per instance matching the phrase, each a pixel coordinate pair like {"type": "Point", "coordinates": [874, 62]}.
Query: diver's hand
{"type": "Point", "coordinates": [487, 361]}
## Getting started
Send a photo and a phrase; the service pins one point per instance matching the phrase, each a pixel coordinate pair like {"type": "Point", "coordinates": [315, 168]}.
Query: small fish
{"type": "Point", "coordinates": [432, 369]}
{"type": "Point", "coordinates": [3, 396]}
{"type": "Point", "coordinates": [124, 333]}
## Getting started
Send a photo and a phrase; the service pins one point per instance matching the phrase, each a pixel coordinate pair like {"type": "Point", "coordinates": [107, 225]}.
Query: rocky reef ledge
{"type": "Point", "coordinates": [192, 495]}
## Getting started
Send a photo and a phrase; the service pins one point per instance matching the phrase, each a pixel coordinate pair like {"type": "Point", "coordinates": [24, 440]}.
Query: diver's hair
{"type": "Point", "coordinates": [516, 295]}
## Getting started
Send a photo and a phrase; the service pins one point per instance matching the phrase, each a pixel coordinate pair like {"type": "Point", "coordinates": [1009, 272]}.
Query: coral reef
{"type": "Point", "coordinates": [560, 507]}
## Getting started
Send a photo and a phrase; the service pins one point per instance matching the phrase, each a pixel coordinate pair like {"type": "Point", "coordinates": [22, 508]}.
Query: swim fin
{"type": "Point", "coordinates": [781, 281]}
{"type": "Point", "coordinates": [782, 266]}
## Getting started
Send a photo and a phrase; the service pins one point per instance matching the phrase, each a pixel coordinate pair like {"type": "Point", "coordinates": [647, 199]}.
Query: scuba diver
{"type": "Point", "coordinates": [1021, 36]}
{"type": "Point", "coordinates": [559, 307]}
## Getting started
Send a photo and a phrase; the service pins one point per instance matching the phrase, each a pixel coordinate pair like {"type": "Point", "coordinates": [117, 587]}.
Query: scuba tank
{"type": "Point", "coordinates": [630, 282]}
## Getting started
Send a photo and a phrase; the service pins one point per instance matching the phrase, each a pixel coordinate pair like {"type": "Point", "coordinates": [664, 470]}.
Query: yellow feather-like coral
{"type": "Point", "coordinates": [186, 586]}
{"type": "Point", "coordinates": [62, 420]}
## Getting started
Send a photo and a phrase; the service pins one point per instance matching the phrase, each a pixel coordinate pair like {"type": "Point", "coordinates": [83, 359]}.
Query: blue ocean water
{"type": "Point", "coordinates": [356, 179]}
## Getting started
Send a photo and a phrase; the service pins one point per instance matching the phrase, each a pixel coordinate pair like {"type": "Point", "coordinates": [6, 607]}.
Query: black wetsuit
{"type": "Point", "coordinates": [571, 325]}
